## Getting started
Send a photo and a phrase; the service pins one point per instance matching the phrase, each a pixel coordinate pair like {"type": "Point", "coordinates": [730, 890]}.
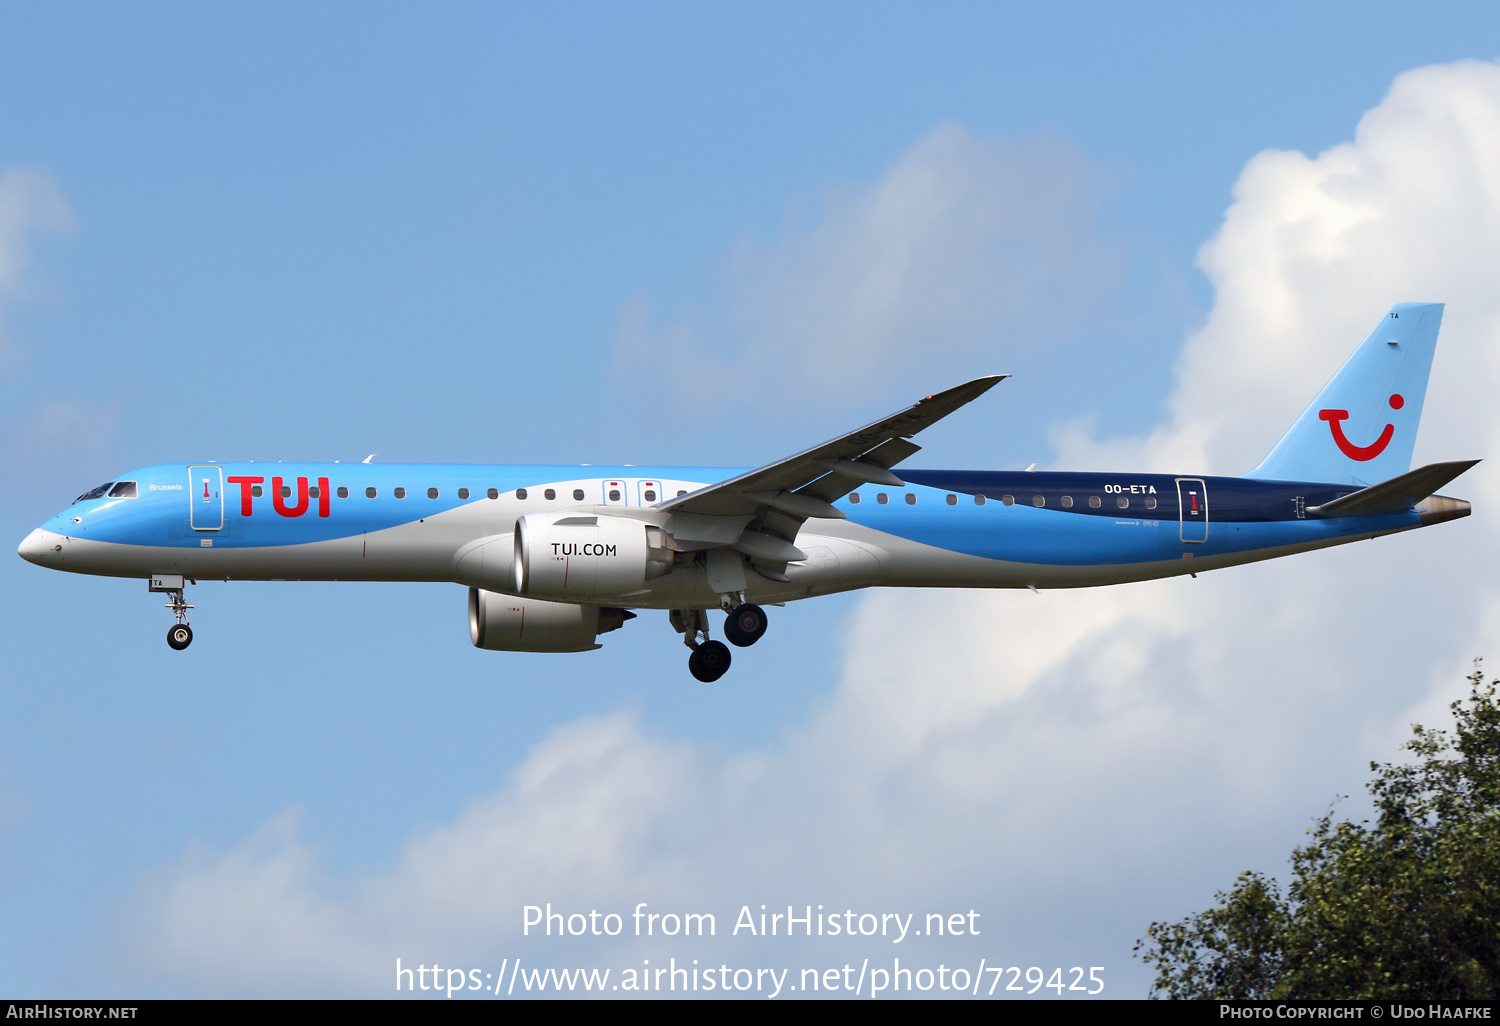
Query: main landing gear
{"type": "Point", "coordinates": [710, 660]}
{"type": "Point", "coordinates": [744, 625]}
{"type": "Point", "coordinates": [180, 636]}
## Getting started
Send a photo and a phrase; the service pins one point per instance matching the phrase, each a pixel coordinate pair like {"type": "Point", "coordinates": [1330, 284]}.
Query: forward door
{"type": "Point", "coordinates": [206, 497]}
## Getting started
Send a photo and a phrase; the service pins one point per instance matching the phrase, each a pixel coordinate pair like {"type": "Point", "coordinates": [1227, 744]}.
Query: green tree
{"type": "Point", "coordinates": [1405, 908]}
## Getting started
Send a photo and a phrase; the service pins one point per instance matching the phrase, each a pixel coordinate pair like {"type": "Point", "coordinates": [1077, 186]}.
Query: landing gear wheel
{"type": "Point", "coordinates": [180, 636]}
{"type": "Point", "coordinates": [709, 661]}
{"type": "Point", "coordinates": [744, 625]}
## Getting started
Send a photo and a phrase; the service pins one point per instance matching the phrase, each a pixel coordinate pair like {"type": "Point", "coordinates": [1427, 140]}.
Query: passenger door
{"type": "Point", "coordinates": [1192, 504]}
{"type": "Point", "coordinates": [206, 497]}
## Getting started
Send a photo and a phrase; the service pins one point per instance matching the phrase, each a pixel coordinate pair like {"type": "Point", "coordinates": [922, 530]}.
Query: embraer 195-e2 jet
{"type": "Point", "coordinates": [553, 557]}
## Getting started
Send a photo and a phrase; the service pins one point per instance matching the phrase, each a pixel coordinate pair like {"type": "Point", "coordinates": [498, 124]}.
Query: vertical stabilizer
{"type": "Point", "coordinates": [1362, 427]}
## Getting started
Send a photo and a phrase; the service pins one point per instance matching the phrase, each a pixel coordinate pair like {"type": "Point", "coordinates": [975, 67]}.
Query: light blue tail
{"type": "Point", "coordinates": [1361, 428]}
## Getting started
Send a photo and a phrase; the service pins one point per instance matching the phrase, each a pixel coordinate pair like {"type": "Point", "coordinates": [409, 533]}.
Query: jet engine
{"type": "Point", "coordinates": [505, 623]}
{"type": "Point", "coordinates": [585, 556]}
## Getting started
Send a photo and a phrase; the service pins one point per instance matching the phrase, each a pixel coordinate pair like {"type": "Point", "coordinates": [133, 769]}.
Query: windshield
{"type": "Point", "coordinates": [97, 493]}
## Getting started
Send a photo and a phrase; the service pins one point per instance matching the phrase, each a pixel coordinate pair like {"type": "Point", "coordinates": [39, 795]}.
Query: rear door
{"type": "Point", "coordinates": [206, 497]}
{"type": "Point", "coordinates": [1192, 502]}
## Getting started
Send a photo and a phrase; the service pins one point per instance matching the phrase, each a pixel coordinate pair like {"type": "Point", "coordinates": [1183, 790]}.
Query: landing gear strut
{"type": "Point", "coordinates": [180, 636]}
{"type": "Point", "coordinates": [710, 659]}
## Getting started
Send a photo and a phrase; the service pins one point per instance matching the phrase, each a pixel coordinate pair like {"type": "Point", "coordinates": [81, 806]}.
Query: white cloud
{"type": "Point", "coordinates": [29, 205]}
{"type": "Point", "coordinates": [966, 248]}
{"type": "Point", "coordinates": [1079, 762]}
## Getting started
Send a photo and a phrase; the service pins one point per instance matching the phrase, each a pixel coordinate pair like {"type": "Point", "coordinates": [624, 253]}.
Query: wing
{"type": "Point", "coordinates": [761, 511]}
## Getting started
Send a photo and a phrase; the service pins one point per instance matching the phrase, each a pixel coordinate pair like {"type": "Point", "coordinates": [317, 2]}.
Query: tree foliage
{"type": "Point", "coordinates": [1406, 907]}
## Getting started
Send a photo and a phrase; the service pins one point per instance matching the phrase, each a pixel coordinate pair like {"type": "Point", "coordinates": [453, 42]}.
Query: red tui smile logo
{"type": "Point", "coordinates": [1348, 448]}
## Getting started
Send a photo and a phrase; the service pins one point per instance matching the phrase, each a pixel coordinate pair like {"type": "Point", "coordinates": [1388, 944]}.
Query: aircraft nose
{"type": "Point", "coordinates": [40, 547]}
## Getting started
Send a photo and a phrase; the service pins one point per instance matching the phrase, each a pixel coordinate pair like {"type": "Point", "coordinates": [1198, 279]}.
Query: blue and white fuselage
{"type": "Point", "coordinates": [943, 529]}
{"type": "Point", "coordinates": [555, 556]}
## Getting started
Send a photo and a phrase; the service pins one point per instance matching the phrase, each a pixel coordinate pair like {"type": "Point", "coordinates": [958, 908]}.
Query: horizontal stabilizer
{"type": "Point", "coordinates": [1399, 493]}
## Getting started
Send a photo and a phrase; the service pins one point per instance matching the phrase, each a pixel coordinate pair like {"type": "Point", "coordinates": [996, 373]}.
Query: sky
{"type": "Point", "coordinates": [676, 234]}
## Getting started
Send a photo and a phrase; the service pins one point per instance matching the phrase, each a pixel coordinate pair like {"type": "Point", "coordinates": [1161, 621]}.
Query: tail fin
{"type": "Point", "coordinates": [1362, 427]}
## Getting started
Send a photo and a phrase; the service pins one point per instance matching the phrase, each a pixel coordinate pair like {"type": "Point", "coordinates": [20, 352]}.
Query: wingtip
{"type": "Point", "coordinates": [973, 388]}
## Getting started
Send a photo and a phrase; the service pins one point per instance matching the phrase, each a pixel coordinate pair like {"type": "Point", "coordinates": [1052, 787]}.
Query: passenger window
{"type": "Point", "coordinates": [123, 490]}
{"type": "Point", "coordinates": [1150, 502]}
{"type": "Point", "coordinates": [854, 498]}
{"type": "Point", "coordinates": [520, 493]}
{"type": "Point", "coordinates": [681, 492]}
{"type": "Point", "coordinates": [1009, 500]}
{"type": "Point", "coordinates": [650, 495]}
{"type": "Point", "coordinates": [313, 492]}
{"type": "Point", "coordinates": [578, 494]}
{"type": "Point", "coordinates": [400, 493]}
{"type": "Point", "coordinates": [286, 491]}
{"type": "Point", "coordinates": [1123, 502]}
{"type": "Point", "coordinates": [1039, 500]}
{"type": "Point", "coordinates": [882, 498]}
{"type": "Point", "coordinates": [911, 498]}
{"type": "Point", "coordinates": [979, 500]}
{"type": "Point", "coordinates": [463, 493]}
{"type": "Point", "coordinates": [432, 493]}
{"type": "Point", "coordinates": [343, 492]}
{"type": "Point", "coordinates": [369, 493]}
{"type": "Point", "coordinates": [1094, 502]}
{"type": "Point", "coordinates": [953, 500]}
{"type": "Point", "coordinates": [494, 493]}
{"type": "Point", "coordinates": [614, 495]}
{"type": "Point", "coordinates": [256, 491]}
{"type": "Point", "coordinates": [1067, 502]}
{"type": "Point", "coordinates": [549, 495]}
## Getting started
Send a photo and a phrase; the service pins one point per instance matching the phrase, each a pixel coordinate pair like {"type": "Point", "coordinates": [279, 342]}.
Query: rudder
{"type": "Point", "coordinates": [1362, 427]}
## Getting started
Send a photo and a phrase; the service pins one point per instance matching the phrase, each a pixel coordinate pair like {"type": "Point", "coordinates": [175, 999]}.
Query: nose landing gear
{"type": "Point", "coordinates": [180, 636]}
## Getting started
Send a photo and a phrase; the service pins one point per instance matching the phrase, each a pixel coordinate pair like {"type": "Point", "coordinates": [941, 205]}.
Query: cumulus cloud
{"type": "Point", "coordinates": [967, 247]}
{"type": "Point", "coordinates": [1077, 762]}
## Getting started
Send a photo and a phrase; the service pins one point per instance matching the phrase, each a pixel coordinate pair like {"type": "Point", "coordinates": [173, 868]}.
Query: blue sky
{"type": "Point", "coordinates": [625, 234]}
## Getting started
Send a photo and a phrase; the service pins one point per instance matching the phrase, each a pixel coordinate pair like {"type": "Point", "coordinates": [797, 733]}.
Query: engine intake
{"type": "Point", "coordinates": [505, 623]}
{"type": "Point", "coordinates": [585, 556]}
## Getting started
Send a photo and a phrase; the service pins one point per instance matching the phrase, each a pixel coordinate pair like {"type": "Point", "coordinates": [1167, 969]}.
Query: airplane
{"type": "Point", "coordinates": [553, 557]}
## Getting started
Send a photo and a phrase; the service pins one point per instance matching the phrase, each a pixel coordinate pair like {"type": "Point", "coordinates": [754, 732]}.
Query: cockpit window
{"type": "Point", "coordinates": [97, 493]}
{"type": "Point", "coordinates": [123, 490]}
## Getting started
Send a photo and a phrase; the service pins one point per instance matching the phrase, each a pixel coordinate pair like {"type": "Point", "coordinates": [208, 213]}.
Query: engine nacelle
{"type": "Point", "coordinates": [505, 623]}
{"type": "Point", "coordinates": [586, 556]}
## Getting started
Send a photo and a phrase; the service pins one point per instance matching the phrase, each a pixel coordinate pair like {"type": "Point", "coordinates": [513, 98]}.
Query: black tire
{"type": "Point", "coordinates": [744, 625]}
{"type": "Point", "coordinates": [180, 636]}
{"type": "Point", "coordinates": [709, 661]}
